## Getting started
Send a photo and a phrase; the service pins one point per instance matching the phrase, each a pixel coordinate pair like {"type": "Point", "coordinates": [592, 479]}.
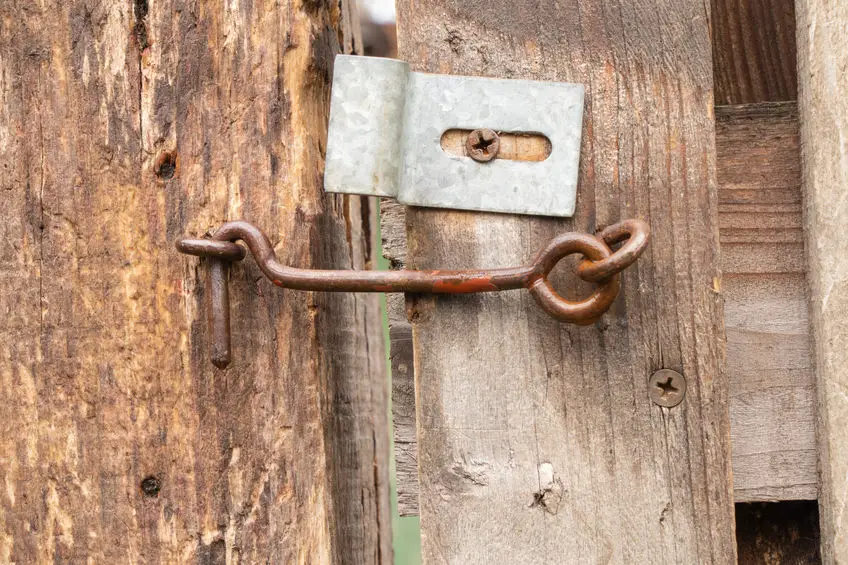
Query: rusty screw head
{"type": "Point", "coordinates": [482, 145]}
{"type": "Point", "coordinates": [667, 388]}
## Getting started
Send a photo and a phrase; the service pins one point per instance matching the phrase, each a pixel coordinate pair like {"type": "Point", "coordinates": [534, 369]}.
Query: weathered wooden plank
{"type": "Point", "coordinates": [823, 86]}
{"type": "Point", "coordinates": [769, 368]}
{"type": "Point", "coordinates": [769, 362]}
{"type": "Point", "coordinates": [754, 51]}
{"type": "Point", "coordinates": [125, 126]}
{"type": "Point", "coordinates": [537, 441]}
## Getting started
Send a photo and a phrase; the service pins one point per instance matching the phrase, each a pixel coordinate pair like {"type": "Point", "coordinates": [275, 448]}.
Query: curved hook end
{"type": "Point", "coordinates": [225, 250]}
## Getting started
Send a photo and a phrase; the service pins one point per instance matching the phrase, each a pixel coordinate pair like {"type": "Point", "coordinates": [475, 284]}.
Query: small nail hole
{"type": "Point", "coordinates": [150, 486]}
{"type": "Point", "coordinates": [166, 165]}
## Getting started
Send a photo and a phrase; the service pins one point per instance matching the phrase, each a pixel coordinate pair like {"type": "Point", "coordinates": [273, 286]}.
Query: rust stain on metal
{"type": "Point", "coordinates": [465, 286]}
{"type": "Point", "coordinates": [601, 266]}
{"type": "Point", "coordinates": [219, 311]}
{"type": "Point", "coordinates": [634, 234]}
{"type": "Point", "coordinates": [483, 145]}
{"type": "Point", "coordinates": [514, 146]}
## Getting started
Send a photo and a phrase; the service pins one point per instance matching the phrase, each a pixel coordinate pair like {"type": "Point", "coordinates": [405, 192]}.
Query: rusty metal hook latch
{"type": "Point", "coordinates": [601, 265]}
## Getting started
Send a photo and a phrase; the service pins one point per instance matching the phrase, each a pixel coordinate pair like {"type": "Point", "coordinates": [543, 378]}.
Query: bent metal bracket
{"type": "Point", "coordinates": [601, 265]}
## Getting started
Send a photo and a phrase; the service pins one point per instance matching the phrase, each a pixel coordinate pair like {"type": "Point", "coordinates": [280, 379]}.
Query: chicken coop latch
{"type": "Point", "coordinates": [601, 265]}
{"type": "Point", "coordinates": [390, 132]}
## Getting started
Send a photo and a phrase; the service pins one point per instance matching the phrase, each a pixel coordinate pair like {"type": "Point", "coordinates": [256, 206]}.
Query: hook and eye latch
{"type": "Point", "coordinates": [601, 266]}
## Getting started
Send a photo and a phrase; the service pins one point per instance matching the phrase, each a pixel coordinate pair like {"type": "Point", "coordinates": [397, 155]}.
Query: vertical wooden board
{"type": "Point", "coordinates": [769, 361]}
{"type": "Point", "coordinates": [393, 227]}
{"type": "Point", "coordinates": [127, 125]}
{"type": "Point", "coordinates": [769, 358]}
{"type": "Point", "coordinates": [537, 441]}
{"type": "Point", "coordinates": [823, 86]}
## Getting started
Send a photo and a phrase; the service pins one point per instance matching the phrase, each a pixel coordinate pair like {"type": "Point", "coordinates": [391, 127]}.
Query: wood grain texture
{"type": "Point", "coordinates": [103, 355]}
{"type": "Point", "coordinates": [769, 365]}
{"type": "Point", "coordinates": [823, 87]}
{"type": "Point", "coordinates": [537, 442]}
{"type": "Point", "coordinates": [769, 359]}
{"type": "Point", "coordinates": [754, 51]}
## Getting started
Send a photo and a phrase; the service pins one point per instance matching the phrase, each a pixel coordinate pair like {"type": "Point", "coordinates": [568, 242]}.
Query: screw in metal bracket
{"type": "Point", "coordinates": [483, 145]}
{"type": "Point", "coordinates": [667, 388]}
{"type": "Point", "coordinates": [387, 124]}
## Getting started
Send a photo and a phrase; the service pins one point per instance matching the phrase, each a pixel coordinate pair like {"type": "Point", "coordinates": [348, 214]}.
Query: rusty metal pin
{"type": "Point", "coordinates": [219, 311]}
{"type": "Point", "coordinates": [483, 145]}
{"type": "Point", "coordinates": [667, 388]}
{"type": "Point", "coordinates": [222, 249]}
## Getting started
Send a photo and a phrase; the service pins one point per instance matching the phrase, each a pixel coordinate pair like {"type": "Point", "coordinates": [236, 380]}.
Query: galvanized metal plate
{"type": "Point", "coordinates": [386, 125]}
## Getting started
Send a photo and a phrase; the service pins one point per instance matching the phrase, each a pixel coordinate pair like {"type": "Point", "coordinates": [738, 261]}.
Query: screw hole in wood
{"type": "Point", "coordinates": [151, 486]}
{"type": "Point", "coordinates": [166, 165]}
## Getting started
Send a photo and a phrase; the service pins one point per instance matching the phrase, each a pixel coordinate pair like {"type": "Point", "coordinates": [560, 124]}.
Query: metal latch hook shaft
{"type": "Point", "coordinates": [601, 265]}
